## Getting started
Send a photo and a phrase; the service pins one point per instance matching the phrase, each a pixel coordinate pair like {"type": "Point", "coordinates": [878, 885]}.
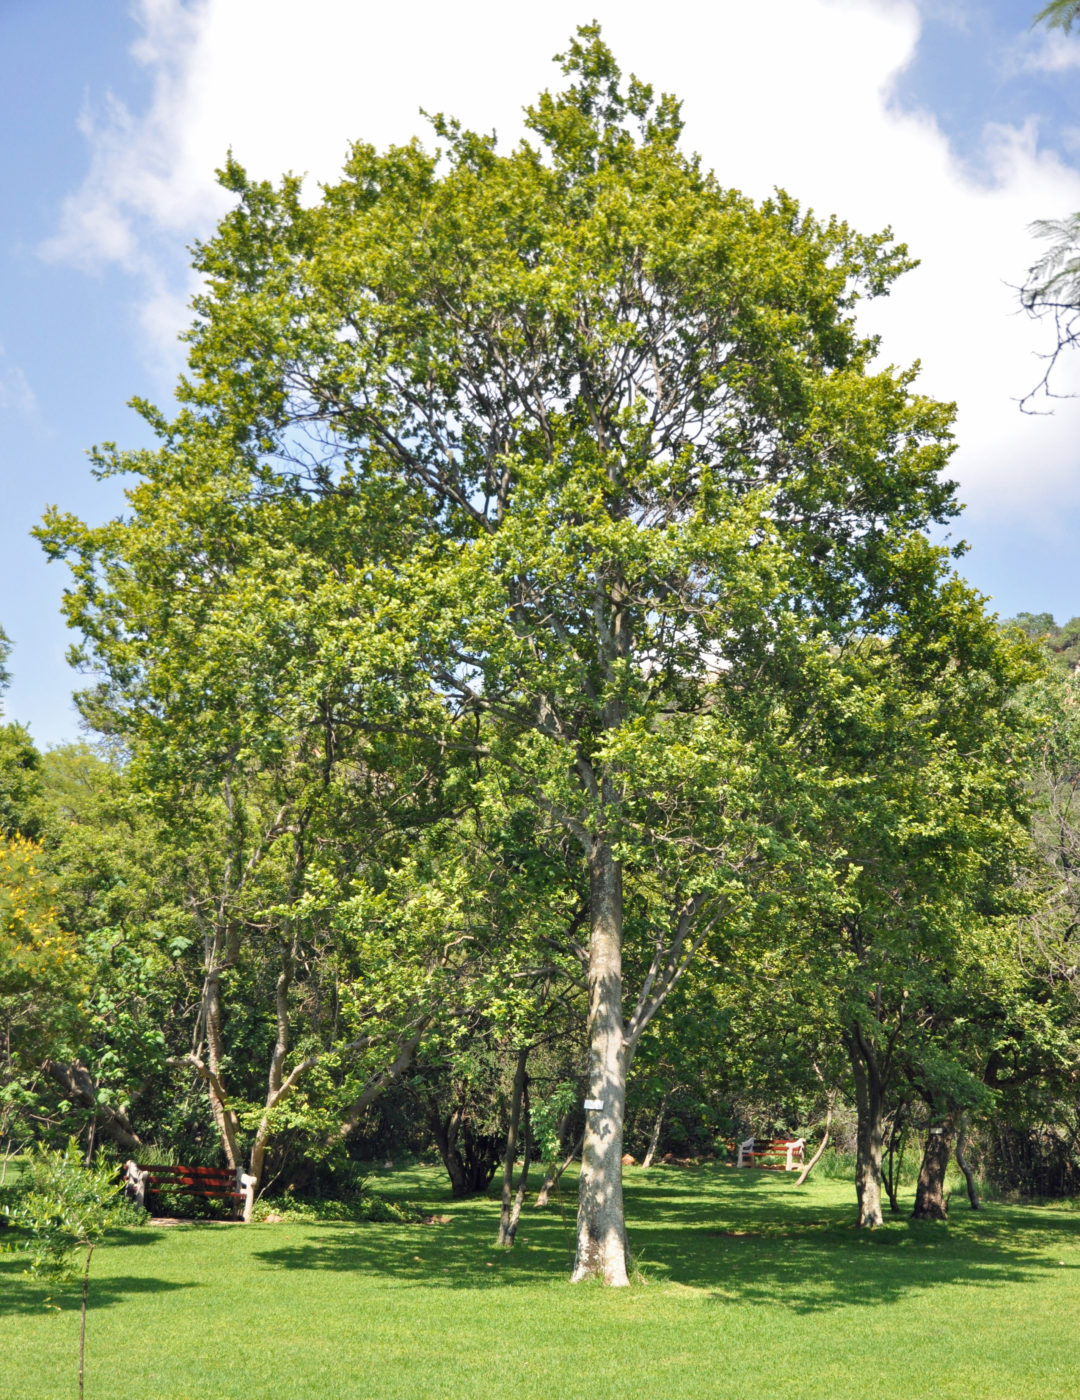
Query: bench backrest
{"type": "Point", "coordinates": [196, 1173]}
{"type": "Point", "coordinates": [194, 1181]}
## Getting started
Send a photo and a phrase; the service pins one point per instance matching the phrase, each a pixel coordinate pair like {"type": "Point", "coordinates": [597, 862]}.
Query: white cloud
{"type": "Point", "coordinates": [16, 395]}
{"type": "Point", "coordinates": [957, 14]}
{"type": "Point", "coordinates": [796, 93]}
{"type": "Point", "coordinates": [1054, 53]}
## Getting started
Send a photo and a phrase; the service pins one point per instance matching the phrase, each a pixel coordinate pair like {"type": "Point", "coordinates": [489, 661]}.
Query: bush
{"type": "Point", "coordinates": [363, 1203]}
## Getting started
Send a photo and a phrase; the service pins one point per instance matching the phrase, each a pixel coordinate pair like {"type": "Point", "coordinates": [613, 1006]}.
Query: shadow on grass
{"type": "Point", "coordinates": [737, 1238]}
{"type": "Point", "coordinates": [23, 1296]}
{"type": "Point", "coordinates": [770, 1243]}
{"type": "Point", "coordinates": [20, 1292]}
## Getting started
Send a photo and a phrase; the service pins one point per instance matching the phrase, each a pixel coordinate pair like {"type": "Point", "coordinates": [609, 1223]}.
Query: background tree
{"type": "Point", "coordinates": [924, 827]}
{"type": "Point", "coordinates": [1052, 288]}
{"type": "Point", "coordinates": [42, 984]}
{"type": "Point", "coordinates": [20, 764]}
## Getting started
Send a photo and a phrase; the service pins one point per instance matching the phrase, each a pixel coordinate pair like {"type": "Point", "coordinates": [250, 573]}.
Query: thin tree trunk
{"type": "Point", "coordinates": [554, 1177]}
{"type": "Point", "coordinates": [654, 1140]}
{"type": "Point", "coordinates": [601, 1223]}
{"type": "Point", "coordinates": [224, 1117]}
{"type": "Point", "coordinates": [549, 1166]}
{"type": "Point", "coordinates": [821, 1148]}
{"type": "Point", "coordinates": [82, 1318]}
{"type": "Point", "coordinates": [868, 1137]}
{"type": "Point", "coordinates": [519, 1196]}
{"type": "Point", "coordinates": [276, 1075]}
{"type": "Point", "coordinates": [930, 1202]}
{"type": "Point", "coordinates": [962, 1163]}
{"type": "Point", "coordinates": [406, 1053]}
{"type": "Point", "coordinates": [506, 1236]}
{"type": "Point", "coordinates": [895, 1160]}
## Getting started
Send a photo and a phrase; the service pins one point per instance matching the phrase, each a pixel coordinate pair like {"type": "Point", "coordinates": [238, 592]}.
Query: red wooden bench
{"type": "Point", "coordinates": [211, 1183]}
{"type": "Point", "coordinates": [778, 1154]}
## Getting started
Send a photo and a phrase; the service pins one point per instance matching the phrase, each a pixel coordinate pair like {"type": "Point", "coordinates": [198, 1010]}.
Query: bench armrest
{"type": "Point", "coordinates": [135, 1180]}
{"type": "Point", "coordinates": [245, 1186]}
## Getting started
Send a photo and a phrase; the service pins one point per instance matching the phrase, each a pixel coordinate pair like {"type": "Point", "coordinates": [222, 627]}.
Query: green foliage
{"type": "Point", "coordinates": [548, 1113]}
{"type": "Point", "coordinates": [364, 1203]}
{"type": "Point", "coordinates": [42, 980]}
{"type": "Point", "coordinates": [1061, 644]}
{"type": "Point", "coordinates": [1059, 14]}
{"type": "Point", "coordinates": [64, 1207]}
{"type": "Point", "coordinates": [20, 783]}
{"type": "Point", "coordinates": [5, 652]}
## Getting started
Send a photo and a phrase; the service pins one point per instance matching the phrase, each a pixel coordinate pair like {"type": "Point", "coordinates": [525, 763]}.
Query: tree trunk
{"type": "Point", "coordinates": [470, 1158]}
{"type": "Point", "coordinates": [930, 1202]}
{"type": "Point", "coordinates": [78, 1086]}
{"type": "Point", "coordinates": [868, 1142]}
{"type": "Point", "coordinates": [256, 1164]}
{"type": "Point", "coordinates": [82, 1319]}
{"type": "Point", "coordinates": [276, 1076]}
{"type": "Point", "coordinates": [445, 1133]}
{"type": "Point", "coordinates": [654, 1140]}
{"type": "Point", "coordinates": [601, 1225]}
{"type": "Point", "coordinates": [821, 1148]}
{"type": "Point", "coordinates": [554, 1176]}
{"type": "Point", "coordinates": [406, 1053]}
{"type": "Point", "coordinates": [523, 1181]}
{"type": "Point", "coordinates": [506, 1232]}
{"type": "Point", "coordinates": [962, 1163]}
{"type": "Point", "coordinates": [895, 1157]}
{"type": "Point", "coordinates": [224, 1117]}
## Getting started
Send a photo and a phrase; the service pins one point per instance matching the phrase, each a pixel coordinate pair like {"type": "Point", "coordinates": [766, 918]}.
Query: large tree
{"type": "Point", "coordinates": [596, 474]}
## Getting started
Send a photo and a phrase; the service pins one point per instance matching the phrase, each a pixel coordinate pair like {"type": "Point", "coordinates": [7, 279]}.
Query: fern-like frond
{"type": "Point", "coordinates": [1059, 14]}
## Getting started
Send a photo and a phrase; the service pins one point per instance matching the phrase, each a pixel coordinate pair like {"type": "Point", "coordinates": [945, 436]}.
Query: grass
{"type": "Point", "coordinates": [750, 1285]}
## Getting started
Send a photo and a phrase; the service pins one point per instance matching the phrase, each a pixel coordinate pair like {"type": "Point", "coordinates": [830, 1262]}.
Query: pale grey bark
{"type": "Point", "coordinates": [523, 1180]}
{"type": "Point", "coordinates": [821, 1148]}
{"type": "Point", "coordinates": [654, 1140]}
{"type": "Point", "coordinates": [601, 1244]}
{"type": "Point", "coordinates": [225, 1119]}
{"type": "Point", "coordinates": [276, 1077]}
{"type": "Point", "coordinates": [869, 1136]}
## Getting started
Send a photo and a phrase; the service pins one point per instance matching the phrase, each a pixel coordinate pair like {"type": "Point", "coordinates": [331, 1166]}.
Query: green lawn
{"type": "Point", "coordinates": [750, 1287]}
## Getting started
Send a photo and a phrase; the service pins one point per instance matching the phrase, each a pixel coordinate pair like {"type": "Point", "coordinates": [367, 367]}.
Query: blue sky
{"type": "Point", "coordinates": [952, 121]}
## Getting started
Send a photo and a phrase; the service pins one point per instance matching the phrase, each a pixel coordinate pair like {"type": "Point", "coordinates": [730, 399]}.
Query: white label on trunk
{"type": "Point", "coordinates": [594, 1103]}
